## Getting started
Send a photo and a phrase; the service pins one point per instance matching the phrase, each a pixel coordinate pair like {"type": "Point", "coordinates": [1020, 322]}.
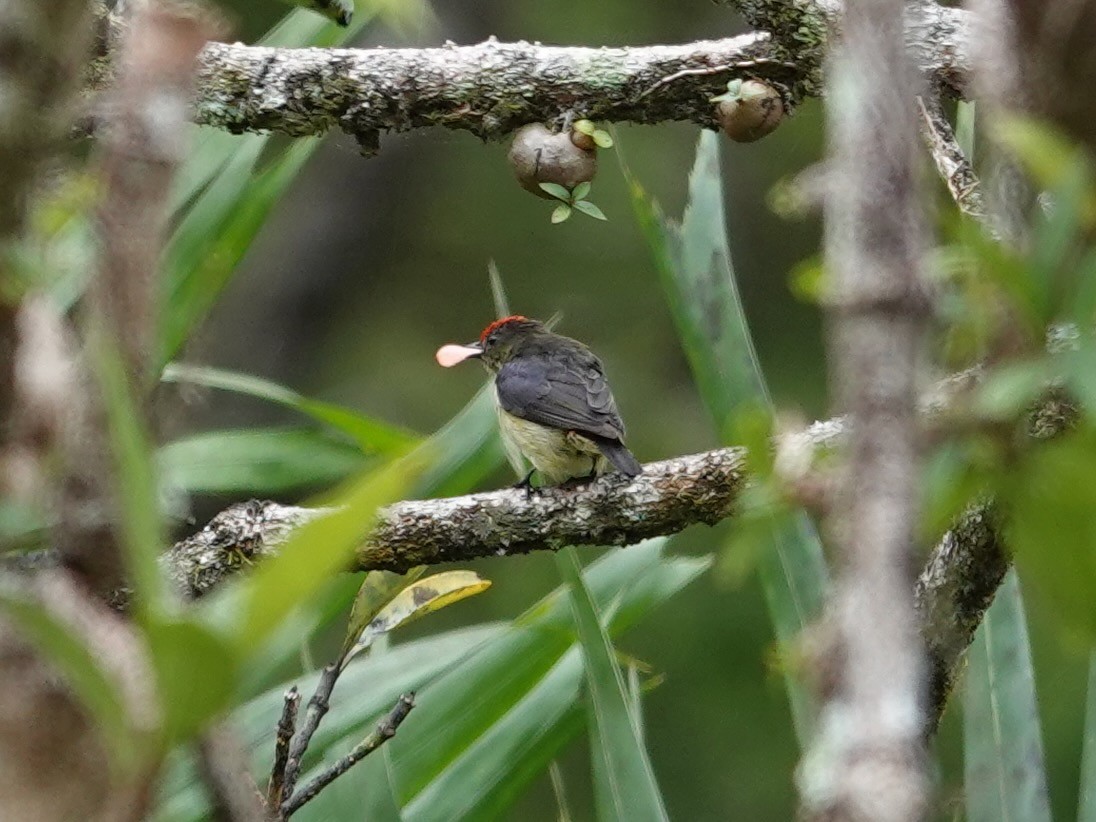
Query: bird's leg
{"type": "Point", "coordinates": [526, 484]}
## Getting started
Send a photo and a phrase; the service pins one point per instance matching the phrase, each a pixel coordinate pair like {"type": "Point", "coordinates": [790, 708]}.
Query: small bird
{"type": "Point", "coordinates": [553, 402]}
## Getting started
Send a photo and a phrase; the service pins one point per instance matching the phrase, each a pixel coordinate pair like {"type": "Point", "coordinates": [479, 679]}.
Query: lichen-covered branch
{"type": "Point", "coordinates": [668, 496]}
{"type": "Point", "coordinates": [951, 164]}
{"type": "Point", "coordinates": [953, 591]}
{"type": "Point", "coordinates": [493, 88]}
{"type": "Point", "coordinates": [951, 596]}
{"type": "Point", "coordinates": [489, 89]}
{"type": "Point", "coordinates": [938, 39]}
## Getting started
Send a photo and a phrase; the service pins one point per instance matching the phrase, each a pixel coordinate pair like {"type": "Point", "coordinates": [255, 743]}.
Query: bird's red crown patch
{"type": "Point", "coordinates": [499, 323]}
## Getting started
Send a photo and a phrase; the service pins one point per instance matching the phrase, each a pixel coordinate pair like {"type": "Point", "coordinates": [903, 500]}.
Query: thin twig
{"type": "Point", "coordinates": [951, 163]}
{"type": "Point", "coordinates": [385, 730]}
{"type": "Point", "coordinates": [704, 71]}
{"type": "Point", "coordinates": [287, 724]}
{"type": "Point", "coordinates": [318, 706]}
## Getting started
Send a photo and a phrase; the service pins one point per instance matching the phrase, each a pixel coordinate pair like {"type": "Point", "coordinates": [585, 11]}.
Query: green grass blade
{"type": "Point", "coordinates": [515, 748]}
{"type": "Point", "coordinates": [481, 693]}
{"type": "Point", "coordinates": [259, 461]}
{"type": "Point", "coordinates": [624, 780]}
{"type": "Point", "coordinates": [218, 229]}
{"type": "Point", "coordinates": [138, 505]}
{"type": "Point", "coordinates": [251, 609]}
{"type": "Point", "coordinates": [467, 449]}
{"type": "Point", "coordinates": [1086, 811]}
{"type": "Point", "coordinates": [1005, 775]}
{"type": "Point", "coordinates": [222, 197]}
{"type": "Point", "coordinates": [366, 689]}
{"type": "Point", "coordinates": [694, 265]}
{"type": "Point", "coordinates": [372, 435]}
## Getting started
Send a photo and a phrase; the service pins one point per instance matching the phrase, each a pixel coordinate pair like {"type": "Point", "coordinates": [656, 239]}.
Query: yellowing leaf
{"type": "Point", "coordinates": [377, 590]}
{"type": "Point", "coordinates": [417, 600]}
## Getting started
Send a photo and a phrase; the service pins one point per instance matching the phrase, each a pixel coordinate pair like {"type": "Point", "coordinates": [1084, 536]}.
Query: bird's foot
{"type": "Point", "coordinates": [527, 486]}
{"type": "Point", "coordinates": [575, 483]}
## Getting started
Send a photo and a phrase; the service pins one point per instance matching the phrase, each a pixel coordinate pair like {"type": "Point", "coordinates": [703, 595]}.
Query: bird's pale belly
{"type": "Point", "coordinates": [557, 455]}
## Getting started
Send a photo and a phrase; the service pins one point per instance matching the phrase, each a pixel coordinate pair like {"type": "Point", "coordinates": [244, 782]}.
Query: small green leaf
{"type": "Point", "coordinates": [561, 213]}
{"type": "Point", "coordinates": [581, 191]}
{"type": "Point", "coordinates": [584, 127]}
{"type": "Point", "coordinates": [557, 191]}
{"type": "Point", "coordinates": [591, 210]}
{"type": "Point", "coordinates": [416, 600]}
{"type": "Point", "coordinates": [624, 781]}
{"type": "Point", "coordinates": [603, 138]}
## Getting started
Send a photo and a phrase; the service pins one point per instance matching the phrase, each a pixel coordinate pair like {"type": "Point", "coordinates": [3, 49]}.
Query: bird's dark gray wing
{"type": "Point", "coordinates": [572, 396]}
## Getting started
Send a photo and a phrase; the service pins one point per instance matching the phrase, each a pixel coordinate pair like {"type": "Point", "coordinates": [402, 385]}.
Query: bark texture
{"type": "Point", "coordinates": [955, 587]}
{"type": "Point", "coordinates": [493, 88]}
{"type": "Point", "coordinates": [867, 762]}
{"type": "Point", "coordinates": [666, 498]}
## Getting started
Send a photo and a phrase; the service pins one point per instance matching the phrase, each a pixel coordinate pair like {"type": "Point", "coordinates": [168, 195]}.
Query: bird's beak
{"type": "Point", "coordinates": [450, 355]}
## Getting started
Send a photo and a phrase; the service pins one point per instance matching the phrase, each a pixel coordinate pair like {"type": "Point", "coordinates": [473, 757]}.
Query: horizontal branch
{"type": "Point", "coordinates": [489, 89]}
{"type": "Point", "coordinates": [954, 589]}
{"type": "Point", "coordinates": [666, 498]}
{"type": "Point", "coordinates": [493, 88]}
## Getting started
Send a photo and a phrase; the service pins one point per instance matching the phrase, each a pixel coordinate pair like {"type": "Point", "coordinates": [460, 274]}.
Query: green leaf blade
{"type": "Point", "coordinates": [259, 461]}
{"type": "Point", "coordinates": [556, 190]}
{"type": "Point", "coordinates": [694, 265]}
{"type": "Point", "coordinates": [624, 780]}
{"type": "Point", "coordinates": [590, 210]}
{"type": "Point", "coordinates": [1005, 774]}
{"type": "Point", "coordinates": [1086, 811]}
{"type": "Point", "coordinates": [560, 213]}
{"type": "Point", "coordinates": [372, 436]}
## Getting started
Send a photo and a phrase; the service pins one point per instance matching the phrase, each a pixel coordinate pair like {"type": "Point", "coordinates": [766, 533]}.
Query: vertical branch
{"type": "Point", "coordinates": [867, 762]}
{"type": "Point", "coordinates": [147, 114]}
{"type": "Point", "coordinates": [43, 46]}
{"type": "Point", "coordinates": [142, 147]}
{"type": "Point", "coordinates": [287, 726]}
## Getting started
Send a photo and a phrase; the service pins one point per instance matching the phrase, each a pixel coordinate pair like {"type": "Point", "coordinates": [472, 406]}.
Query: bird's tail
{"type": "Point", "coordinates": [622, 459]}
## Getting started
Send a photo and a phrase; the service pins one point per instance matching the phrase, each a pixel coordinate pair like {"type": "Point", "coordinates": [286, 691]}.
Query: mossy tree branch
{"type": "Point", "coordinates": [492, 88]}
{"type": "Point", "coordinates": [952, 593]}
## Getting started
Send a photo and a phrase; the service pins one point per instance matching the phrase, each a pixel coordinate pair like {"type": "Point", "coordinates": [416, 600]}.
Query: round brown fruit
{"type": "Point", "coordinates": [539, 155]}
{"type": "Point", "coordinates": [751, 113]}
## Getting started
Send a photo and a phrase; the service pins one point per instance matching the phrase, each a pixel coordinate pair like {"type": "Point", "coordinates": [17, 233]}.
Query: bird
{"type": "Point", "coordinates": [554, 405]}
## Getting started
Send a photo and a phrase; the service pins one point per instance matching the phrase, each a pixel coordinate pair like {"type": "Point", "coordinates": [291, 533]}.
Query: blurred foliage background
{"type": "Point", "coordinates": [367, 266]}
